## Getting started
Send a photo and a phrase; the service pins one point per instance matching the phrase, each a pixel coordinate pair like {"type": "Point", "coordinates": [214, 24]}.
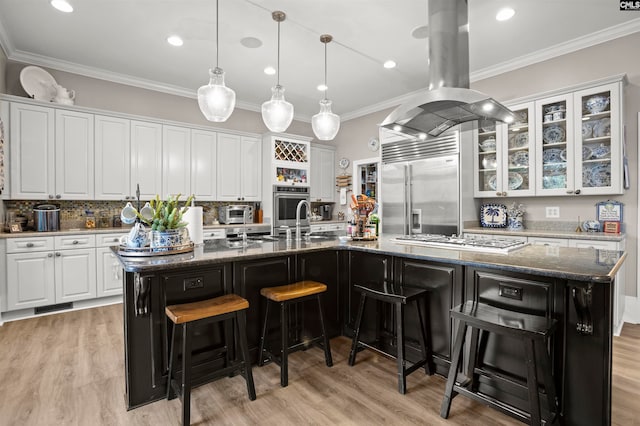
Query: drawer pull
{"type": "Point", "coordinates": [50, 255]}
{"type": "Point", "coordinates": [30, 245]}
{"type": "Point", "coordinates": [115, 240]}
{"type": "Point", "coordinates": [510, 292]}
{"type": "Point", "coordinates": [75, 242]}
{"type": "Point", "coordinates": [58, 254]}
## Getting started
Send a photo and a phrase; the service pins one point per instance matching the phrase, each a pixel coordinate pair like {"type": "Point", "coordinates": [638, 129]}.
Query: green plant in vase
{"type": "Point", "coordinates": [167, 227]}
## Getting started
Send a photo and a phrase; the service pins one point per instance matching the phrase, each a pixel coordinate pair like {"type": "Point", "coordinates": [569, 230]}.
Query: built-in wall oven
{"type": "Point", "coordinates": [285, 202]}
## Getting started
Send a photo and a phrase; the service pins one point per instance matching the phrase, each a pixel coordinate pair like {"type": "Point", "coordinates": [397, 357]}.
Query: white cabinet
{"type": "Point", "coordinates": [204, 156]}
{"type": "Point", "coordinates": [32, 152]}
{"type": "Point", "coordinates": [52, 153]}
{"type": "Point", "coordinates": [112, 158]}
{"type": "Point", "coordinates": [323, 175]}
{"type": "Point", "coordinates": [579, 142]}
{"type": "Point", "coordinates": [109, 270]}
{"type": "Point", "coordinates": [5, 188]}
{"type": "Point", "coordinates": [328, 227]}
{"type": "Point", "coordinates": [74, 145]}
{"type": "Point", "coordinates": [550, 242]}
{"type": "Point", "coordinates": [238, 168]}
{"type": "Point", "coordinates": [504, 156]}
{"type": "Point", "coordinates": [146, 159]}
{"type": "Point", "coordinates": [46, 270]}
{"type": "Point", "coordinates": [176, 160]}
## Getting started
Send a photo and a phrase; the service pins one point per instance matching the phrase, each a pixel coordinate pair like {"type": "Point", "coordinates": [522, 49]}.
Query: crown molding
{"type": "Point", "coordinates": [5, 43]}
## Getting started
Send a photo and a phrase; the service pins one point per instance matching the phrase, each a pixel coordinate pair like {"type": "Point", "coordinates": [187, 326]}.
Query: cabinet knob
{"type": "Point", "coordinates": [504, 193]}
{"type": "Point", "coordinates": [498, 194]}
{"type": "Point", "coordinates": [58, 254]}
{"type": "Point", "coordinates": [115, 240]}
{"type": "Point", "coordinates": [29, 245]}
{"type": "Point", "coordinates": [75, 242]}
{"type": "Point", "coordinates": [50, 196]}
{"type": "Point", "coordinates": [569, 191]}
{"type": "Point", "coordinates": [58, 196]}
{"type": "Point", "coordinates": [50, 255]}
{"type": "Point", "coordinates": [577, 192]}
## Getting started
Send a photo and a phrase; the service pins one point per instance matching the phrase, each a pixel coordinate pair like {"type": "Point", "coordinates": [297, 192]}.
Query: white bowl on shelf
{"type": "Point", "coordinates": [488, 145]}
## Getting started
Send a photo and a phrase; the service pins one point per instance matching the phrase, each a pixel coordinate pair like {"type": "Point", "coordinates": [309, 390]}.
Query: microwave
{"type": "Point", "coordinates": [237, 214]}
{"type": "Point", "coordinates": [285, 203]}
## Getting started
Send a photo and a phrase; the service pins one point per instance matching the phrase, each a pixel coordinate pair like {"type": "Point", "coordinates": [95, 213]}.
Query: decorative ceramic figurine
{"type": "Point", "coordinates": [64, 96]}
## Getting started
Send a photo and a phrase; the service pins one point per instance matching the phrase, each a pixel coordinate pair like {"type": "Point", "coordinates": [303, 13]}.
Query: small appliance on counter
{"type": "Point", "coordinates": [326, 210]}
{"type": "Point", "coordinates": [235, 214]}
{"type": "Point", "coordinates": [46, 217]}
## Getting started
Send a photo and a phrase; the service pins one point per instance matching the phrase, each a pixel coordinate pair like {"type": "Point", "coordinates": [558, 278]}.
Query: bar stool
{"type": "Point", "coordinates": [532, 330]}
{"type": "Point", "coordinates": [286, 295]}
{"type": "Point", "coordinates": [398, 296]}
{"type": "Point", "coordinates": [188, 315]}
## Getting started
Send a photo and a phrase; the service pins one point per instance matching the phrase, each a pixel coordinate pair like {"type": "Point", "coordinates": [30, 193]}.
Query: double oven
{"type": "Point", "coordinates": [285, 202]}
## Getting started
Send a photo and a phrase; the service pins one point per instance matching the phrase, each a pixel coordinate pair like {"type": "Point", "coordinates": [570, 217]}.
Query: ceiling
{"type": "Point", "coordinates": [125, 41]}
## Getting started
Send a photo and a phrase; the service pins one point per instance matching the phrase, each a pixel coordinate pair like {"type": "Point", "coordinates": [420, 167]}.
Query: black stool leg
{"type": "Point", "coordinates": [426, 349]}
{"type": "Point", "coordinates": [453, 370]}
{"type": "Point", "coordinates": [284, 364]}
{"type": "Point", "coordinates": [186, 373]}
{"type": "Point", "coordinates": [402, 377]}
{"type": "Point", "coordinates": [532, 381]}
{"type": "Point", "coordinates": [241, 323]}
{"type": "Point", "coordinates": [354, 344]}
{"type": "Point", "coordinates": [172, 361]}
{"type": "Point", "coordinates": [327, 348]}
{"type": "Point", "coordinates": [473, 357]}
{"type": "Point", "coordinates": [262, 338]}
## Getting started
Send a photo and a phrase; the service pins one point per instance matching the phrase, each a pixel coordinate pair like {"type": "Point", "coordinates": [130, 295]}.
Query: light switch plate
{"type": "Point", "coordinates": [552, 212]}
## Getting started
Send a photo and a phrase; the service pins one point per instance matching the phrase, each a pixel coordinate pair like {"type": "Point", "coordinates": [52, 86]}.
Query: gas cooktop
{"type": "Point", "coordinates": [493, 245]}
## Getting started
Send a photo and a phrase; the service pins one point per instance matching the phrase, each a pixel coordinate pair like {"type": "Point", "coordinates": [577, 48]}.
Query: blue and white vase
{"type": "Point", "coordinates": [168, 239]}
{"type": "Point", "coordinates": [515, 223]}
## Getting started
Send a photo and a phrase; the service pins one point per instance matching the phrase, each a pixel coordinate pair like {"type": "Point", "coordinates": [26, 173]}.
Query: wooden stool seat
{"type": "Point", "coordinates": [287, 295]}
{"type": "Point", "coordinates": [195, 311]}
{"type": "Point", "coordinates": [532, 330]}
{"type": "Point", "coordinates": [293, 291]}
{"type": "Point", "coordinates": [398, 296]}
{"type": "Point", "coordinates": [229, 307]}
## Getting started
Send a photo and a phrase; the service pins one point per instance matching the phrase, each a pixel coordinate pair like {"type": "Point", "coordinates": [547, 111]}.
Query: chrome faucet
{"type": "Point", "coordinates": [298, 208]}
{"type": "Point", "coordinates": [244, 228]}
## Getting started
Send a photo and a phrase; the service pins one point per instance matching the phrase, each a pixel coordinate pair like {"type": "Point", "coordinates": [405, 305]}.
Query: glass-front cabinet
{"type": "Point", "coordinates": [582, 152]}
{"type": "Point", "coordinates": [503, 167]}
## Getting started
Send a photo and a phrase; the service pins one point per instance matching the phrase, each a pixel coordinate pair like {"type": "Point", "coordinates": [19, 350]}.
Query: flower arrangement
{"type": "Point", "coordinates": [166, 215]}
{"type": "Point", "coordinates": [515, 210]}
{"type": "Point", "coordinates": [515, 215]}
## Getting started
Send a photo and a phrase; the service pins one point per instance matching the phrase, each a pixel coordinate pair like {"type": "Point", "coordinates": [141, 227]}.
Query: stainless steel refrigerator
{"type": "Point", "coordinates": [420, 186]}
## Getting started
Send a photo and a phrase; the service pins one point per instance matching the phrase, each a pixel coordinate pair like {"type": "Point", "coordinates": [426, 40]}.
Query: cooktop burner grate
{"type": "Point", "coordinates": [493, 245]}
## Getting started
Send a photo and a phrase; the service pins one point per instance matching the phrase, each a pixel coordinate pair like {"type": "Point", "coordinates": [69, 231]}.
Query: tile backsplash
{"type": "Point", "coordinates": [73, 213]}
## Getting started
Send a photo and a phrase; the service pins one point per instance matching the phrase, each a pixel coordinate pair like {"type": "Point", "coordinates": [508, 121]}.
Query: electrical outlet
{"type": "Point", "coordinates": [552, 212]}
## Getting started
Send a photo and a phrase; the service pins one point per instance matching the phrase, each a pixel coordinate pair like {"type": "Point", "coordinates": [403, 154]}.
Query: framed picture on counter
{"type": "Point", "coordinates": [15, 227]}
{"type": "Point", "coordinates": [609, 211]}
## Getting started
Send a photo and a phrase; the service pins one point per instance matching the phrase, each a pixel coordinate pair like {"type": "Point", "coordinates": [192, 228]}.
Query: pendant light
{"type": "Point", "coordinates": [325, 124]}
{"type": "Point", "coordinates": [216, 100]}
{"type": "Point", "coordinates": [277, 113]}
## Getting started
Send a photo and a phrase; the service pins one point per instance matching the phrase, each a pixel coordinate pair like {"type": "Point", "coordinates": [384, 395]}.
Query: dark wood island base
{"type": "Point", "coordinates": [573, 288]}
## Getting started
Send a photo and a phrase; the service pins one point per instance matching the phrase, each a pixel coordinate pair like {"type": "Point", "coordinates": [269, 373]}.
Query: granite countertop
{"type": "Point", "coordinates": [121, 230]}
{"type": "Point", "coordinates": [546, 233]}
{"type": "Point", "coordinates": [563, 262]}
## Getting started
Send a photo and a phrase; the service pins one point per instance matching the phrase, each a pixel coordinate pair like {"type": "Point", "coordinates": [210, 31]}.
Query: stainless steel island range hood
{"type": "Point", "coordinates": [448, 100]}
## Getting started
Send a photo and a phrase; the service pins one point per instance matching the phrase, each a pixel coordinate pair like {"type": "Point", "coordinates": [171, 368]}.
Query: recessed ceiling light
{"type": "Point", "coordinates": [175, 40]}
{"type": "Point", "coordinates": [505, 14]}
{"type": "Point", "coordinates": [322, 87]}
{"type": "Point", "coordinates": [251, 42]}
{"type": "Point", "coordinates": [389, 64]}
{"type": "Point", "coordinates": [269, 70]}
{"type": "Point", "coordinates": [62, 5]}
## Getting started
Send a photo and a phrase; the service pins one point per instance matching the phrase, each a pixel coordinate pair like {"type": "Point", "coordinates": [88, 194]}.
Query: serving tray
{"type": "Point", "coordinates": [154, 251]}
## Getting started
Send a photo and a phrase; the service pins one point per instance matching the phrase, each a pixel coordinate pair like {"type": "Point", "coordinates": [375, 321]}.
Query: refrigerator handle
{"type": "Point", "coordinates": [408, 201]}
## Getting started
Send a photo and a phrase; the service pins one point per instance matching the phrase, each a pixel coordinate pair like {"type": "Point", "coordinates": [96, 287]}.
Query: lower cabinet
{"type": "Point", "coordinates": [44, 271]}
{"type": "Point", "coordinates": [109, 269]}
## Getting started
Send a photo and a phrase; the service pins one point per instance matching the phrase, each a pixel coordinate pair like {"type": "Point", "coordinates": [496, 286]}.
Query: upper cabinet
{"type": "Point", "coordinates": [204, 146]}
{"type": "Point", "coordinates": [146, 158]}
{"type": "Point", "coordinates": [568, 143]}
{"type": "Point", "coordinates": [323, 174]}
{"type": "Point", "coordinates": [51, 153]}
{"type": "Point", "coordinates": [112, 158]}
{"type": "Point", "coordinates": [503, 167]}
{"type": "Point", "coordinates": [239, 168]}
{"type": "Point", "coordinates": [176, 160]}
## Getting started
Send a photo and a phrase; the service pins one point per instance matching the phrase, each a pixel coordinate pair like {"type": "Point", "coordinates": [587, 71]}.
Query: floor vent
{"type": "Point", "coordinates": [53, 308]}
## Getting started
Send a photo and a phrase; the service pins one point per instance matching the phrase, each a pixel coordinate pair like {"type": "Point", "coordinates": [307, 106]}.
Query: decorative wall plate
{"type": "Point", "coordinates": [343, 163]}
{"type": "Point", "coordinates": [38, 83]}
{"type": "Point", "coordinates": [493, 215]}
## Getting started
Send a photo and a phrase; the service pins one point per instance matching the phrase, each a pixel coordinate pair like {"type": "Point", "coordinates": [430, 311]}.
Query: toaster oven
{"type": "Point", "coordinates": [237, 214]}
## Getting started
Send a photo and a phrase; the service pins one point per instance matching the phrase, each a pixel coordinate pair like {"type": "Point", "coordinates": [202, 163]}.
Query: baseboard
{"type": "Point", "coordinates": [78, 305]}
{"type": "Point", "coordinates": [631, 310]}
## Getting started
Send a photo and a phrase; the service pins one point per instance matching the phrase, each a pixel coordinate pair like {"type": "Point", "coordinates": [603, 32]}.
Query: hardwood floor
{"type": "Point", "coordinates": [68, 369]}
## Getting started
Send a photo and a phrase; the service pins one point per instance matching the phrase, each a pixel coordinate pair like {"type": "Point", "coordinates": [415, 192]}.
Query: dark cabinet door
{"type": "Point", "coordinates": [444, 285]}
{"type": "Point", "coordinates": [249, 278]}
{"type": "Point", "coordinates": [323, 267]}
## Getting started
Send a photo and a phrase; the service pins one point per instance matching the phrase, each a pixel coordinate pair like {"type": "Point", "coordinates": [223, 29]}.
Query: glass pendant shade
{"type": "Point", "coordinates": [216, 100]}
{"type": "Point", "coordinates": [277, 113]}
{"type": "Point", "coordinates": [325, 124]}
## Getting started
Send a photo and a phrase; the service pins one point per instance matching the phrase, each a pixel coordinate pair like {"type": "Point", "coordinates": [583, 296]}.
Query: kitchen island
{"type": "Point", "coordinates": [574, 286]}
